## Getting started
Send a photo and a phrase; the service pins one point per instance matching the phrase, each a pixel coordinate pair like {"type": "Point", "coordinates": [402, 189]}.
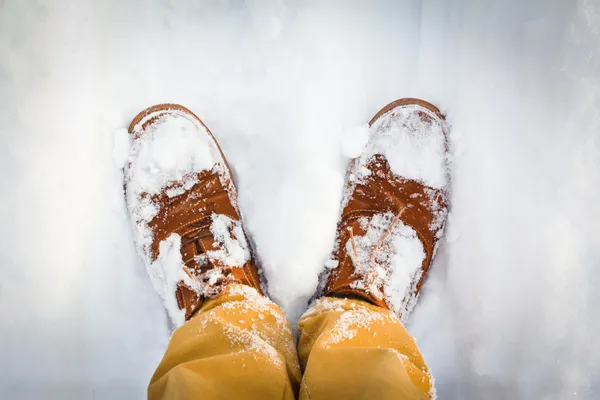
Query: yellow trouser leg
{"type": "Point", "coordinates": [238, 346]}
{"type": "Point", "coordinates": [354, 350]}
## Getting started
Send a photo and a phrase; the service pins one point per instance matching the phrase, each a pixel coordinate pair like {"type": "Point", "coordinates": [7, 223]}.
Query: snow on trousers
{"type": "Point", "coordinates": [241, 347]}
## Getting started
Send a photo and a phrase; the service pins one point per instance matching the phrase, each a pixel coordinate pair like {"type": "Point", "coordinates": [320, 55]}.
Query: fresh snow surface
{"type": "Point", "coordinates": [510, 309]}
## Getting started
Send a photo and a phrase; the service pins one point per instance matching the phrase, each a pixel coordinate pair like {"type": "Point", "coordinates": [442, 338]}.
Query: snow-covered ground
{"type": "Point", "coordinates": [511, 308]}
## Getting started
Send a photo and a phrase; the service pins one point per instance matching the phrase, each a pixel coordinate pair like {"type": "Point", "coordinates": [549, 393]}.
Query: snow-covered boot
{"type": "Point", "coordinates": [393, 210]}
{"type": "Point", "coordinates": [184, 209]}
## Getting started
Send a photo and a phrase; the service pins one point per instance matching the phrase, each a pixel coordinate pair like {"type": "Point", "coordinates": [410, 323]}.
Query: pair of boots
{"type": "Point", "coordinates": [189, 230]}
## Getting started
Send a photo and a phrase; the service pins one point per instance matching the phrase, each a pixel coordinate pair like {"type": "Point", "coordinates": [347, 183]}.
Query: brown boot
{"type": "Point", "coordinates": [184, 209]}
{"type": "Point", "coordinates": [393, 210]}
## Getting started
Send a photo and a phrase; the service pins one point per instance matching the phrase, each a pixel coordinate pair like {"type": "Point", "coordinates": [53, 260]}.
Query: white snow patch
{"type": "Point", "coordinates": [171, 150]}
{"type": "Point", "coordinates": [229, 236]}
{"type": "Point", "coordinates": [331, 264]}
{"type": "Point", "coordinates": [414, 147]}
{"type": "Point", "coordinates": [166, 272]}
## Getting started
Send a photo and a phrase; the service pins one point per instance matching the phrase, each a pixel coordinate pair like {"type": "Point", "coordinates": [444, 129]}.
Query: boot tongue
{"type": "Point", "coordinates": [368, 249]}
